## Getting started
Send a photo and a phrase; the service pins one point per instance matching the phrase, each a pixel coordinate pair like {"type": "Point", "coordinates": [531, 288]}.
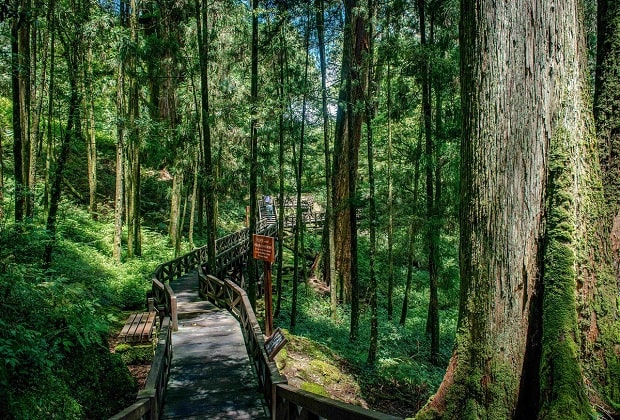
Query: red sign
{"type": "Point", "coordinates": [264, 248]}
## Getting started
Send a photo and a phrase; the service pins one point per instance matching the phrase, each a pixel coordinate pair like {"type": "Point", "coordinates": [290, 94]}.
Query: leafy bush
{"type": "Point", "coordinates": [135, 354]}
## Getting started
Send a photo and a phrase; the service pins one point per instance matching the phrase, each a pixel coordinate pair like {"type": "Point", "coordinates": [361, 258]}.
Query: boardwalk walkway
{"type": "Point", "coordinates": [211, 376]}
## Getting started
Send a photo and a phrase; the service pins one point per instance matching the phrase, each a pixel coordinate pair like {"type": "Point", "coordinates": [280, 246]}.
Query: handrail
{"type": "Point", "coordinates": [227, 294]}
{"type": "Point", "coordinates": [285, 401]}
{"type": "Point", "coordinates": [236, 243]}
{"type": "Point", "coordinates": [294, 403]}
{"type": "Point", "coordinates": [150, 400]}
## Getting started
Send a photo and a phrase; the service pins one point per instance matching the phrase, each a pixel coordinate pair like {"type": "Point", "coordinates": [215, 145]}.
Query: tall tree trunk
{"type": "Point", "coordinates": [133, 162]}
{"type": "Point", "coordinates": [349, 120]}
{"type": "Point", "coordinates": [529, 248]}
{"type": "Point", "coordinates": [370, 98]}
{"type": "Point", "coordinates": [281, 98]}
{"type": "Point", "coordinates": [91, 142]}
{"type": "Point", "coordinates": [252, 269]}
{"type": "Point", "coordinates": [175, 211]}
{"type": "Point", "coordinates": [431, 237]}
{"type": "Point", "coordinates": [50, 105]}
{"type": "Point", "coordinates": [329, 250]}
{"type": "Point", "coordinates": [18, 138]}
{"type": "Point", "coordinates": [119, 191]}
{"type": "Point", "coordinates": [207, 172]}
{"type": "Point", "coordinates": [390, 197]}
{"type": "Point", "coordinates": [2, 128]}
{"type": "Point", "coordinates": [607, 119]}
{"type": "Point", "coordinates": [72, 51]}
{"type": "Point", "coordinates": [299, 247]}
{"type": "Point", "coordinates": [24, 102]}
{"type": "Point", "coordinates": [35, 104]}
{"type": "Point", "coordinates": [192, 210]}
{"type": "Point", "coordinates": [413, 229]}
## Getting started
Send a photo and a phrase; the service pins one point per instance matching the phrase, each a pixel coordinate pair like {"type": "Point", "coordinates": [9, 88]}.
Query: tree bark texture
{"type": "Point", "coordinates": [347, 138]}
{"type": "Point", "coordinates": [528, 198]}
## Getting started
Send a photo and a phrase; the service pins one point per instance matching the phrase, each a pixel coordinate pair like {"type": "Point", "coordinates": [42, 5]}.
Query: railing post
{"type": "Point", "coordinates": [173, 313]}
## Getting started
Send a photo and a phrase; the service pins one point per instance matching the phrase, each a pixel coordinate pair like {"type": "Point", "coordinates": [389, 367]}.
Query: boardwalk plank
{"type": "Point", "coordinates": [211, 376]}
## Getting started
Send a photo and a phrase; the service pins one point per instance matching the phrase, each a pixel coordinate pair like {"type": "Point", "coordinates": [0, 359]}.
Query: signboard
{"type": "Point", "coordinates": [274, 343]}
{"type": "Point", "coordinates": [264, 248]}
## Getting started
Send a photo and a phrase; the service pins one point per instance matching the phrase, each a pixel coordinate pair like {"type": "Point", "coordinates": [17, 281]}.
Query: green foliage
{"type": "Point", "coordinates": [54, 356]}
{"type": "Point", "coordinates": [99, 380]}
{"type": "Point", "coordinates": [403, 369]}
{"type": "Point", "coordinates": [135, 354]}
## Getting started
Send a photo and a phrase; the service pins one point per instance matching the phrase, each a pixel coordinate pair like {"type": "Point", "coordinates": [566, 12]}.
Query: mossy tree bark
{"type": "Point", "coordinates": [530, 196]}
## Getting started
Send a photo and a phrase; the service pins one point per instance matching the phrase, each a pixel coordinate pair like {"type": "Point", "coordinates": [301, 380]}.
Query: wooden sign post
{"type": "Point", "coordinates": [264, 249]}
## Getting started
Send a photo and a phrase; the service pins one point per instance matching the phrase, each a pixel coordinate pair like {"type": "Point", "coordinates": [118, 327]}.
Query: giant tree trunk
{"type": "Point", "coordinates": [528, 208]}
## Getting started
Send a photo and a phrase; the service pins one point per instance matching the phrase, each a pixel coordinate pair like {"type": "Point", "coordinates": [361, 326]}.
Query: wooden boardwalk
{"type": "Point", "coordinates": [211, 376]}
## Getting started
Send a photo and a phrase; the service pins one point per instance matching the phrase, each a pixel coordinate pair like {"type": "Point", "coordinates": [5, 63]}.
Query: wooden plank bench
{"type": "Point", "coordinates": [138, 328]}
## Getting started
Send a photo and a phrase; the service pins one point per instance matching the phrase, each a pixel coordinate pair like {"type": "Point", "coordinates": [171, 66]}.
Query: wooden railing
{"type": "Point", "coordinates": [285, 402]}
{"type": "Point", "coordinates": [226, 294]}
{"type": "Point", "coordinates": [231, 251]}
{"type": "Point", "coordinates": [150, 400]}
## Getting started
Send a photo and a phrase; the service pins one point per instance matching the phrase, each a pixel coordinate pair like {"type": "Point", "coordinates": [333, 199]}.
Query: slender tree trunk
{"type": "Point", "coordinates": [175, 211]}
{"type": "Point", "coordinates": [433, 311]}
{"type": "Point", "coordinates": [208, 173]}
{"type": "Point", "coordinates": [18, 162]}
{"type": "Point", "coordinates": [72, 132]}
{"type": "Point", "coordinates": [413, 229]}
{"type": "Point", "coordinates": [50, 106]}
{"type": "Point", "coordinates": [329, 252]}
{"type": "Point", "coordinates": [530, 201]}
{"type": "Point", "coordinates": [192, 211]}
{"type": "Point", "coordinates": [281, 97]}
{"type": "Point", "coordinates": [133, 162]}
{"type": "Point", "coordinates": [24, 103]}
{"type": "Point", "coordinates": [390, 198]}
{"type": "Point", "coordinates": [370, 98]}
{"type": "Point", "coordinates": [91, 143]}
{"type": "Point", "coordinates": [300, 252]}
{"type": "Point", "coordinates": [2, 128]}
{"type": "Point", "coordinates": [252, 269]}
{"type": "Point", "coordinates": [119, 190]}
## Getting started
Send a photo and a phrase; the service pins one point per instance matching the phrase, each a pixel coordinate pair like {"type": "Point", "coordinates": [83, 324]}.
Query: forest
{"type": "Point", "coordinates": [463, 156]}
